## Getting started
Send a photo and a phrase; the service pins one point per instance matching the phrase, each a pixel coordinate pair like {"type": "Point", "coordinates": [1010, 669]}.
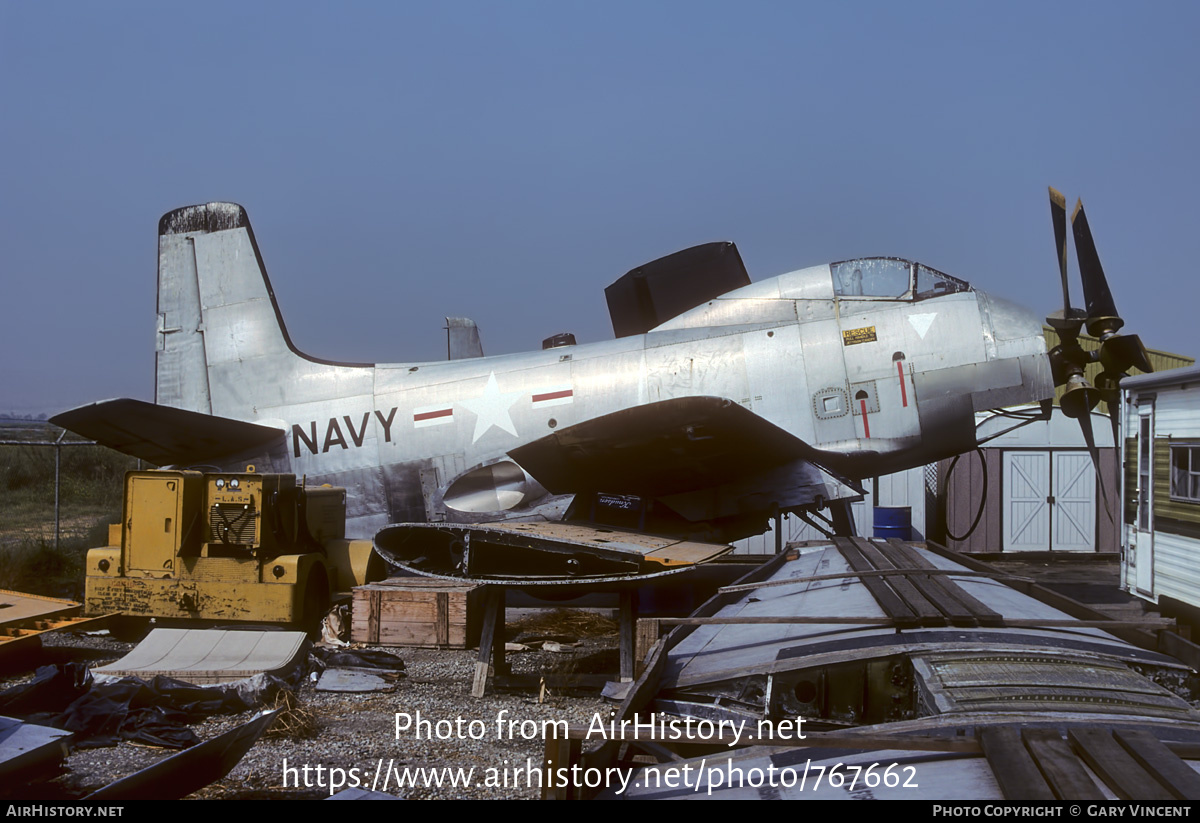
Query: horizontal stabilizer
{"type": "Point", "coordinates": [163, 435]}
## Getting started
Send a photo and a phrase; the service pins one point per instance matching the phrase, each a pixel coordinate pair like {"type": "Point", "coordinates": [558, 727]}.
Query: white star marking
{"type": "Point", "coordinates": [491, 409]}
{"type": "Point", "coordinates": [921, 322]}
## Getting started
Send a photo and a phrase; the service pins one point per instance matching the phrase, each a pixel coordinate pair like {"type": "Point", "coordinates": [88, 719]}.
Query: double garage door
{"type": "Point", "coordinates": [1049, 500]}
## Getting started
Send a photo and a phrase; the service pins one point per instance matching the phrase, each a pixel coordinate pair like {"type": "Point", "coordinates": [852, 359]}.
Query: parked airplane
{"type": "Point", "coordinates": [720, 404]}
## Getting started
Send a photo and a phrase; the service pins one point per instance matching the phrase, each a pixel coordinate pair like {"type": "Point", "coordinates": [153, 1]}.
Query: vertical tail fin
{"type": "Point", "coordinates": [222, 347]}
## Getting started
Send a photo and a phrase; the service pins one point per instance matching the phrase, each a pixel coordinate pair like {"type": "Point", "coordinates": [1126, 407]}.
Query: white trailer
{"type": "Point", "coordinates": [1160, 423]}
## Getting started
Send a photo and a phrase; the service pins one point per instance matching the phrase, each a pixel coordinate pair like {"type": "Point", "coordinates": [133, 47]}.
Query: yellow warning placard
{"type": "Point", "coordinates": [863, 335]}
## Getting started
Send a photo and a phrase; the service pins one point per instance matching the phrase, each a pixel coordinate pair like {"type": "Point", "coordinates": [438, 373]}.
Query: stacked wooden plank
{"type": "Point", "coordinates": [909, 597]}
{"type": "Point", "coordinates": [1038, 764]}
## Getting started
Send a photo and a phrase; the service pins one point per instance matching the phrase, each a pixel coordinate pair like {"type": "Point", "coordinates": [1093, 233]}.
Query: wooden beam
{"type": "Point", "coordinates": [625, 630]}
{"type": "Point", "coordinates": [1161, 763]}
{"type": "Point", "coordinates": [1115, 765]}
{"type": "Point", "coordinates": [1060, 766]}
{"type": "Point", "coordinates": [493, 614]}
{"type": "Point", "coordinates": [929, 614]}
{"type": "Point", "coordinates": [1013, 766]}
{"type": "Point", "coordinates": [891, 603]}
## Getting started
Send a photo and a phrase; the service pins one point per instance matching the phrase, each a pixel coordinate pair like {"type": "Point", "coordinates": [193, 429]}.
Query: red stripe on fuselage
{"type": "Point", "coordinates": [431, 415]}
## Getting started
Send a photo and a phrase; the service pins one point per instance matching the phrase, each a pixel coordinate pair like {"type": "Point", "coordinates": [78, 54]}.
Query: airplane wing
{"type": "Point", "coordinates": [163, 435]}
{"type": "Point", "coordinates": [662, 449]}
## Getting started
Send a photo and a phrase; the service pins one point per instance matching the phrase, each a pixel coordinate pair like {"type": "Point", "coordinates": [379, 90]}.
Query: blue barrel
{"type": "Point", "coordinates": [893, 521]}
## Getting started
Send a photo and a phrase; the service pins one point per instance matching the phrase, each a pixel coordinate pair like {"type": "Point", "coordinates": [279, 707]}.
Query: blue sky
{"type": "Point", "coordinates": [506, 161]}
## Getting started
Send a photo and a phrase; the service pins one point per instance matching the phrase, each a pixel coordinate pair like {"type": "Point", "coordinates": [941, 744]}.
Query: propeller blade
{"type": "Point", "coordinates": [1098, 299]}
{"type": "Point", "coordinates": [1089, 437]}
{"type": "Point", "coordinates": [1109, 385]}
{"type": "Point", "coordinates": [1058, 215]}
{"type": "Point", "coordinates": [1124, 351]}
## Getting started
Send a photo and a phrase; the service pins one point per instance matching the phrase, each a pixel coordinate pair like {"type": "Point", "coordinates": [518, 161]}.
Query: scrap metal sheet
{"type": "Point", "coordinates": [205, 656]}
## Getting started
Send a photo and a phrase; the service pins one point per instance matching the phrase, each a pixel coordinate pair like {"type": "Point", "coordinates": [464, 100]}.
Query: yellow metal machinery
{"type": "Point", "coordinates": [230, 546]}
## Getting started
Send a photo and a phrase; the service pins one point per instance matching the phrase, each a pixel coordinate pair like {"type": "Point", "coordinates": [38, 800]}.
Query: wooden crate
{"type": "Point", "coordinates": [417, 611]}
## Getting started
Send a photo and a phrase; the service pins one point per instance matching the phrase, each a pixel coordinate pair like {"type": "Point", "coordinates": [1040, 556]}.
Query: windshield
{"type": "Point", "coordinates": [872, 277]}
{"type": "Point", "coordinates": [931, 283]}
{"type": "Point", "coordinates": [890, 278]}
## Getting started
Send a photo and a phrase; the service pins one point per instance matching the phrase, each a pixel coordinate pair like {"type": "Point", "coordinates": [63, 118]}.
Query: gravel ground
{"type": "Point", "coordinates": [359, 731]}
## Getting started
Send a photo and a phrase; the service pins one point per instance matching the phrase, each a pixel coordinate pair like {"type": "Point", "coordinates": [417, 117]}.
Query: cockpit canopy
{"type": "Point", "coordinates": [890, 278]}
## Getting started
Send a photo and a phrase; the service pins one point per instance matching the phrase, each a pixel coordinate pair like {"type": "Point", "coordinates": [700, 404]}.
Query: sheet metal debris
{"type": "Point", "coordinates": [1019, 692]}
{"type": "Point", "coordinates": [204, 656]}
{"type": "Point", "coordinates": [27, 750]}
{"type": "Point", "coordinates": [354, 682]}
{"type": "Point", "coordinates": [25, 617]}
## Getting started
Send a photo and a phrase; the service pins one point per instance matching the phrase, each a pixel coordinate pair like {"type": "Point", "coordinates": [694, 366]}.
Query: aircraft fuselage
{"type": "Point", "coordinates": [878, 364]}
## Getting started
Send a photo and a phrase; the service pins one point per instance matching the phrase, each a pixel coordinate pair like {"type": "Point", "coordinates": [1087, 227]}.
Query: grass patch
{"type": "Point", "coordinates": [91, 482]}
{"type": "Point", "coordinates": [36, 567]}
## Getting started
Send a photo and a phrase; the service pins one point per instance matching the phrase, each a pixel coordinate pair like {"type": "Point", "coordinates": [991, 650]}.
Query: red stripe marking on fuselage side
{"type": "Point", "coordinates": [866, 426]}
{"type": "Point", "coordinates": [554, 395]}
{"type": "Point", "coordinates": [903, 391]}
{"type": "Point", "coordinates": [431, 415]}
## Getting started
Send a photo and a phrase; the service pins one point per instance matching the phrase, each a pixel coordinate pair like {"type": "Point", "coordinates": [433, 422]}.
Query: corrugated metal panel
{"type": "Point", "coordinates": [1160, 360]}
